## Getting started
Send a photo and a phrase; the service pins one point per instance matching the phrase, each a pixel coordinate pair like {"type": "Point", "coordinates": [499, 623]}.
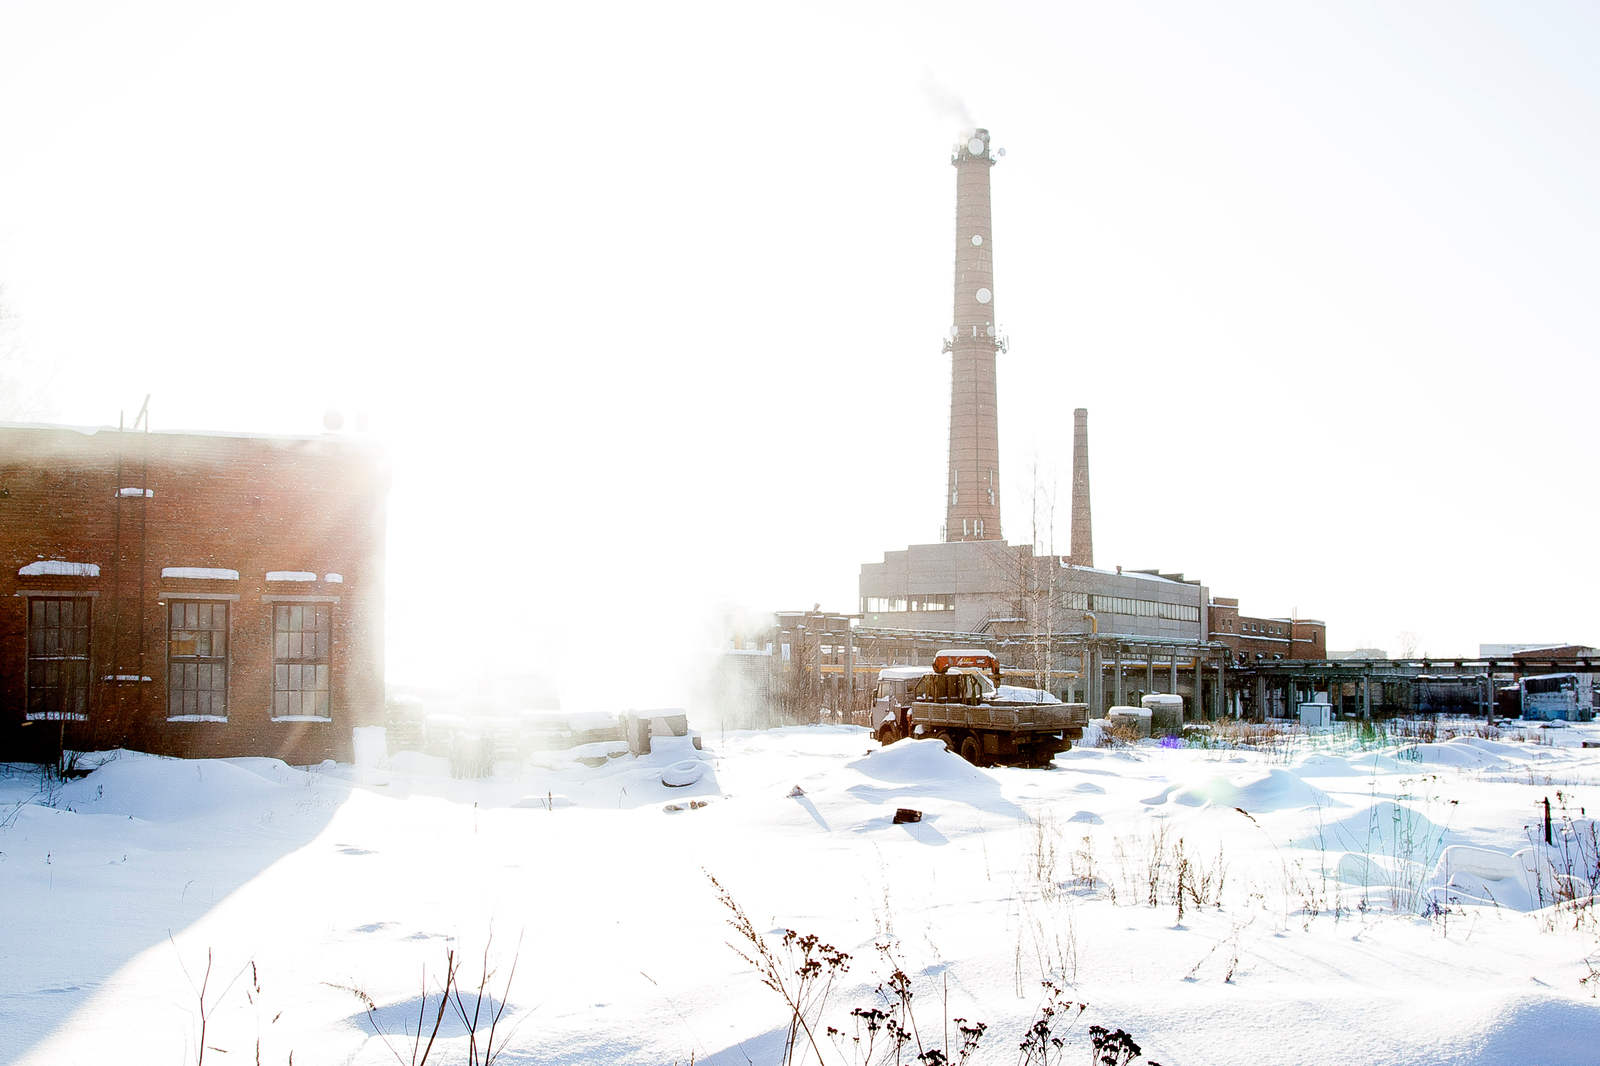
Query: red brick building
{"type": "Point", "coordinates": [193, 594]}
{"type": "Point", "coordinates": [1255, 639]}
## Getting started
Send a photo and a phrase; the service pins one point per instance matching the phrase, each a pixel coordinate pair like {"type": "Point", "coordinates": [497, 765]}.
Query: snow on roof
{"type": "Point", "coordinates": [1125, 573]}
{"type": "Point", "coordinates": [290, 575]}
{"type": "Point", "coordinates": [201, 573]}
{"type": "Point", "coordinates": [59, 568]}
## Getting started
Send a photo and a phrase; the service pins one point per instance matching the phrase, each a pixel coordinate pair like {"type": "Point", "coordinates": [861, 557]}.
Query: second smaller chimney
{"type": "Point", "coordinates": [1082, 528]}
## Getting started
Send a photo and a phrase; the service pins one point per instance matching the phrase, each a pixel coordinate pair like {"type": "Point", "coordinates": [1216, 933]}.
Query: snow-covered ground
{"type": "Point", "coordinates": [1342, 904]}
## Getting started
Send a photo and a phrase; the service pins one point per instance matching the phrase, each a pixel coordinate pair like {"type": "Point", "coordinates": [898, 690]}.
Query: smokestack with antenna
{"type": "Point", "coordinates": [1082, 529]}
{"type": "Point", "coordinates": [972, 494]}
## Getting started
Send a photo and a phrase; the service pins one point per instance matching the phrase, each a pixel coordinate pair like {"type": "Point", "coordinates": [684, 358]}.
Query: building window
{"type": "Point", "coordinates": [1172, 612]}
{"type": "Point", "coordinates": [197, 659]}
{"type": "Point", "coordinates": [301, 642]}
{"type": "Point", "coordinates": [58, 658]}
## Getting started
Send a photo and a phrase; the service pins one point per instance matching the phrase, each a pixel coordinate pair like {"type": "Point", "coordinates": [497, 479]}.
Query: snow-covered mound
{"type": "Point", "coordinates": [1455, 753]}
{"type": "Point", "coordinates": [1253, 790]}
{"type": "Point", "coordinates": [926, 769]}
{"type": "Point", "coordinates": [1383, 828]}
{"type": "Point", "coordinates": [923, 762]}
{"type": "Point", "coordinates": [161, 789]}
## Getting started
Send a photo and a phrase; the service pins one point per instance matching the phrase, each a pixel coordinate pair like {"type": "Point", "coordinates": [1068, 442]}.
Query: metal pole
{"type": "Point", "coordinates": [1096, 680]}
{"type": "Point", "coordinates": [1118, 662]}
{"type": "Point", "coordinates": [848, 712]}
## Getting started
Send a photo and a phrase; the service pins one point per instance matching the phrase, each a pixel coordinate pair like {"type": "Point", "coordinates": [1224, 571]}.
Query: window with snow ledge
{"type": "Point", "coordinates": [57, 665]}
{"type": "Point", "coordinates": [197, 661]}
{"type": "Point", "coordinates": [302, 643]}
{"type": "Point", "coordinates": [290, 575]}
{"type": "Point", "coordinates": [137, 492]}
{"type": "Point", "coordinates": [59, 568]}
{"type": "Point", "coordinates": [200, 573]}
{"type": "Point", "coordinates": [333, 579]}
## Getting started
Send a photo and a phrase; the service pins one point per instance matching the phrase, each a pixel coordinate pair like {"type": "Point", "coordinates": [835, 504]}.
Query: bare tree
{"type": "Point", "coordinates": [1039, 588]}
{"type": "Point", "coordinates": [1406, 643]}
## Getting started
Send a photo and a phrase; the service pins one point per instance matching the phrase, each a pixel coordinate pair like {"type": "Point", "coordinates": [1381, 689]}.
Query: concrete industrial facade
{"type": "Point", "coordinates": [974, 587]}
{"type": "Point", "coordinates": [189, 594]}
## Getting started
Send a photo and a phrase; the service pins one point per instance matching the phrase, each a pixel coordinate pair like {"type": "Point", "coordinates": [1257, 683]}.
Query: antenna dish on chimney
{"type": "Point", "coordinates": [977, 238]}
{"type": "Point", "coordinates": [1002, 151]}
{"type": "Point", "coordinates": [332, 421]}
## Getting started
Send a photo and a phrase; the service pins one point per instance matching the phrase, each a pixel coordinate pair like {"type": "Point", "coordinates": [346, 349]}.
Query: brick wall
{"type": "Point", "coordinates": [1269, 638]}
{"type": "Point", "coordinates": [251, 504]}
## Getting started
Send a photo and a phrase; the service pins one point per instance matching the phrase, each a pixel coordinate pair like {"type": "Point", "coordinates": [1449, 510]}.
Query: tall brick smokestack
{"type": "Point", "coordinates": [972, 492]}
{"type": "Point", "coordinates": [1082, 530]}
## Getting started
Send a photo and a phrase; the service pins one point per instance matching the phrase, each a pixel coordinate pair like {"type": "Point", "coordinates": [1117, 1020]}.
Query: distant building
{"type": "Point", "coordinates": [1507, 651]}
{"type": "Point", "coordinates": [984, 587]}
{"type": "Point", "coordinates": [193, 594]}
{"type": "Point", "coordinates": [1254, 639]}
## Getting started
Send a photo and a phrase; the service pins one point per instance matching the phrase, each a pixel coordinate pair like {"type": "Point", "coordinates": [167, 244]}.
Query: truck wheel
{"type": "Point", "coordinates": [888, 735]}
{"type": "Point", "coordinates": [950, 744]}
{"type": "Point", "coordinates": [972, 749]}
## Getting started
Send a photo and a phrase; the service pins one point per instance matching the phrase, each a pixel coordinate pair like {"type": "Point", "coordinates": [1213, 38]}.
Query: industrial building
{"type": "Point", "coordinates": [192, 594]}
{"type": "Point", "coordinates": [1253, 639]}
{"type": "Point", "coordinates": [1100, 635]}
{"type": "Point", "coordinates": [1086, 633]}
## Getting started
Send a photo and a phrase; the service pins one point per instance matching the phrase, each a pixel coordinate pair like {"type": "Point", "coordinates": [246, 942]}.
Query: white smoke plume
{"type": "Point", "coordinates": [946, 102]}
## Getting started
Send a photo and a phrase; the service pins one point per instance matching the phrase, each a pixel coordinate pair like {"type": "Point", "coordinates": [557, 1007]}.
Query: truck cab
{"type": "Point", "coordinates": [900, 687]}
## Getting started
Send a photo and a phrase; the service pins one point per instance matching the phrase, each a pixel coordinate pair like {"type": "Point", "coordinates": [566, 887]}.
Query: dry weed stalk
{"type": "Point", "coordinates": [205, 1008]}
{"type": "Point", "coordinates": [475, 1008]}
{"type": "Point", "coordinates": [803, 977]}
{"type": "Point", "coordinates": [1045, 1040]}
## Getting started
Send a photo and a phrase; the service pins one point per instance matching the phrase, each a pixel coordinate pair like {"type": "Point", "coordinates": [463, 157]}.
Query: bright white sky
{"type": "Point", "coordinates": [647, 299]}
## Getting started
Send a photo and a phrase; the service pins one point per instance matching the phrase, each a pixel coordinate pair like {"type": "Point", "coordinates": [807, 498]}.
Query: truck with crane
{"type": "Point", "coordinates": [959, 700]}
